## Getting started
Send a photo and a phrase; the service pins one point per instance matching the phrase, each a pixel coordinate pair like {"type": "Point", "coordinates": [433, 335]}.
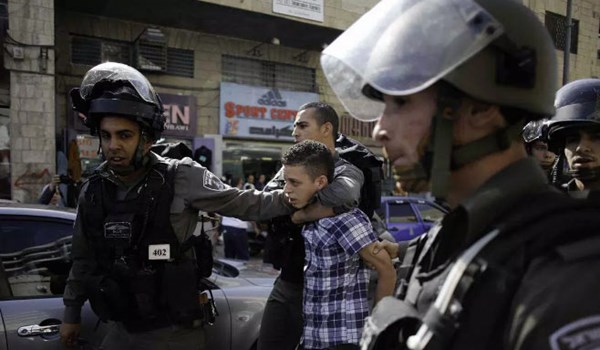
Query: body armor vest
{"type": "Point", "coordinates": [142, 277]}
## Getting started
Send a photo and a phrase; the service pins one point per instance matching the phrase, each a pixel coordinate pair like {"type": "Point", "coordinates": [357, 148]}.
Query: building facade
{"type": "Point", "coordinates": [231, 73]}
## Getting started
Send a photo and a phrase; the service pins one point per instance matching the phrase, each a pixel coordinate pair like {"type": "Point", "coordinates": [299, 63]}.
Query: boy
{"type": "Point", "coordinates": [337, 248]}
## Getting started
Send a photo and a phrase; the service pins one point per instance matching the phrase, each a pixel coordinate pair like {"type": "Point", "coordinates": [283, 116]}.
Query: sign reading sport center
{"type": "Point", "coordinates": [258, 112]}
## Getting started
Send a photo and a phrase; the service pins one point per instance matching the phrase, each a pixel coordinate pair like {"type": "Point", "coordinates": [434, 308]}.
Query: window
{"type": "Point", "coordinates": [401, 213]}
{"type": "Point", "coordinates": [180, 62]}
{"type": "Point", "coordinates": [92, 51]}
{"type": "Point", "coordinates": [270, 74]}
{"type": "Point", "coordinates": [557, 27]}
{"type": "Point", "coordinates": [429, 213]}
{"type": "Point", "coordinates": [35, 255]}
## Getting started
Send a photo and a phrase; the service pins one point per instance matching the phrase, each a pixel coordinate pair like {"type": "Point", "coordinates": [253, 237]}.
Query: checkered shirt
{"type": "Point", "coordinates": [335, 280]}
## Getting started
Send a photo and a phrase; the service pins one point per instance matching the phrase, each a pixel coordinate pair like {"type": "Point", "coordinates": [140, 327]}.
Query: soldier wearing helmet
{"type": "Point", "coordinates": [575, 131]}
{"type": "Point", "coordinates": [134, 253]}
{"type": "Point", "coordinates": [535, 136]}
{"type": "Point", "coordinates": [451, 84]}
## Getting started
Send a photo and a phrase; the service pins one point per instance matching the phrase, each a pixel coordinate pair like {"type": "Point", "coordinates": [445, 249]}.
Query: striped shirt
{"type": "Point", "coordinates": [335, 280]}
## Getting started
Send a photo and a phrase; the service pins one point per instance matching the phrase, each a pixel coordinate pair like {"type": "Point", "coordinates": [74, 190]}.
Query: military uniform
{"type": "Point", "coordinates": [531, 309]}
{"type": "Point", "coordinates": [194, 189]}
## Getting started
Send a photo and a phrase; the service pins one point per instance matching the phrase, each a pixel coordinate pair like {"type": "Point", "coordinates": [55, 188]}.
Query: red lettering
{"type": "Point", "coordinates": [243, 111]}
{"type": "Point", "coordinates": [283, 114]}
{"type": "Point", "coordinates": [229, 109]}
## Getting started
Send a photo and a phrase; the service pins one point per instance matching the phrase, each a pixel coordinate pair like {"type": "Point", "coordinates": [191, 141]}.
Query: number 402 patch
{"type": "Point", "coordinates": [159, 252]}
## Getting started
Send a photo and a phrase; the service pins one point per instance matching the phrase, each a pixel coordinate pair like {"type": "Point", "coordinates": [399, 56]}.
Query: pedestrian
{"type": "Point", "coordinates": [261, 182]}
{"type": "Point", "coordinates": [535, 136]}
{"type": "Point", "coordinates": [575, 131]}
{"type": "Point", "coordinates": [337, 250]}
{"type": "Point", "coordinates": [451, 83]}
{"type": "Point", "coordinates": [282, 322]}
{"type": "Point", "coordinates": [136, 215]}
{"type": "Point", "coordinates": [249, 185]}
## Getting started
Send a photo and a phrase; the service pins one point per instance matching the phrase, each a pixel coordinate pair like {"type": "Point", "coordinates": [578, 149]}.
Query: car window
{"type": "Point", "coordinates": [34, 256]}
{"type": "Point", "coordinates": [401, 213]}
{"type": "Point", "coordinates": [18, 234]}
{"type": "Point", "coordinates": [429, 213]}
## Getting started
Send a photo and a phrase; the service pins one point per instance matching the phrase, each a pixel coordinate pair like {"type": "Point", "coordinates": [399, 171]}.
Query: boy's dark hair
{"type": "Point", "coordinates": [314, 156]}
{"type": "Point", "coordinates": [324, 113]}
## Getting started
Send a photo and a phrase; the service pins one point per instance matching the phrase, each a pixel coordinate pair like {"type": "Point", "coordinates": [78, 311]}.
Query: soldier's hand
{"type": "Point", "coordinates": [69, 333]}
{"type": "Point", "coordinates": [392, 248]}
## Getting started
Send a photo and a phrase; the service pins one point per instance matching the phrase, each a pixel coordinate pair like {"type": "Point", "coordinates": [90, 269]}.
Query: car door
{"type": "Point", "coordinates": [402, 221]}
{"type": "Point", "coordinates": [33, 272]}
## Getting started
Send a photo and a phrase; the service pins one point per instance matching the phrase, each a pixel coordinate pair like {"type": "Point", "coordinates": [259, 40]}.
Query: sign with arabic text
{"type": "Point", "coordinates": [259, 112]}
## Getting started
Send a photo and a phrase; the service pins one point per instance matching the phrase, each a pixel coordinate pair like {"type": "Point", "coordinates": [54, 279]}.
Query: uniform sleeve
{"type": "Point", "coordinates": [343, 193]}
{"type": "Point", "coordinates": [205, 191]}
{"type": "Point", "coordinates": [83, 263]}
{"type": "Point", "coordinates": [557, 306]}
{"type": "Point", "coordinates": [353, 232]}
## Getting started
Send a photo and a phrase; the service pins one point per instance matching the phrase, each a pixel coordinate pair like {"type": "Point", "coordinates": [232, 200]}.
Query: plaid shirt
{"type": "Point", "coordinates": [335, 280]}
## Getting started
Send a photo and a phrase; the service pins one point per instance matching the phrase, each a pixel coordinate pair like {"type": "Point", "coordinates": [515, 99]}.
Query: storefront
{"type": "Point", "coordinates": [256, 124]}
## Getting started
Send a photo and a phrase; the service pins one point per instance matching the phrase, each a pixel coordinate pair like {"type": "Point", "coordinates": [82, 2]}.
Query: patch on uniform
{"type": "Point", "coordinates": [117, 230]}
{"type": "Point", "coordinates": [212, 182]}
{"type": "Point", "coordinates": [583, 334]}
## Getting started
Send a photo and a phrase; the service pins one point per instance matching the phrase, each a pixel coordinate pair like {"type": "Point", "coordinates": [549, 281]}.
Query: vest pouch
{"type": "Point", "coordinates": [204, 258]}
{"type": "Point", "coordinates": [180, 291]}
{"type": "Point", "coordinates": [107, 298]}
{"type": "Point", "coordinates": [144, 289]}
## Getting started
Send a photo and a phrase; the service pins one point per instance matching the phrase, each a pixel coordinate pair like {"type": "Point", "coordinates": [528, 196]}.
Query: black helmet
{"type": "Point", "coordinates": [536, 130]}
{"type": "Point", "coordinates": [116, 88]}
{"type": "Point", "coordinates": [577, 105]}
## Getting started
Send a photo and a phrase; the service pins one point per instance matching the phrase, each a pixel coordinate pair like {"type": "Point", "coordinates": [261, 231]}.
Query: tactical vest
{"type": "Point", "coordinates": [470, 309]}
{"type": "Point", "coordinates": [134, 282]}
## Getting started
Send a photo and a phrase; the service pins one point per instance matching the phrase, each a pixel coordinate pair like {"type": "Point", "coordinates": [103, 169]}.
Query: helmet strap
{"type": "Point", "coordinates": [585, 175]}
{"type": "Point", "coordinates": [492, 143]}
{"type": "Point", "coordinates": [138, 161]}
{"type": "Point", "coordinates": [437, 160]}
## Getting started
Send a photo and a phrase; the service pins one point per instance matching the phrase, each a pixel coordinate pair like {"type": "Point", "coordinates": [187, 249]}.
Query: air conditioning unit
{"type": "Point", "coordinates": [150, 50]}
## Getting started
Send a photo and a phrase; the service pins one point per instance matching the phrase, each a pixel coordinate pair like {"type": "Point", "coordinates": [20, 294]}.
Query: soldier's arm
{"type": "Point", "coordinates": [205, 191]}
{"type": "Point", "coordinates": [341, 195]}
{"type": "Point", "coordinates": [557, 304]}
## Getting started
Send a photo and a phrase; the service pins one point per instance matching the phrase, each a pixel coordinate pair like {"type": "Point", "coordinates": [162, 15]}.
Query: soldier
{"type": "Point", "coordinates": [575, 131]}
{"type": "Point", "coordinates": [535, 136]}
{"type": "Point", "coordinates": [451, 83]}
{"type": "Point", "coordinates": [136, 217]}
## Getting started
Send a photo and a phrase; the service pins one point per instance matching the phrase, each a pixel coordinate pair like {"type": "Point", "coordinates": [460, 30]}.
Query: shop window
{"type": "Point", "coordinates": [557, 27]}
{"type": "Point", "coordinates": [254, 72]}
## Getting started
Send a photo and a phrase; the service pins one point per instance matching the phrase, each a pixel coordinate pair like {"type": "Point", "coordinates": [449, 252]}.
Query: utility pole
{"type": "Point", "coordinates": [567, 52]}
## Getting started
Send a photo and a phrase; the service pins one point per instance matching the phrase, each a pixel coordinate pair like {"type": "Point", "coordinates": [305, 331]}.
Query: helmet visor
{"type": "Point", "coordinates": [117, 72]}
{"type": "Point", "coordinates": [401, 47]}
{"type": "Point", "coordinates": [534, 130]}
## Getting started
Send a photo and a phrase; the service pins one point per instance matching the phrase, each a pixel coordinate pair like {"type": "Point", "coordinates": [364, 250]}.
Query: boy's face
{"type": "Point", "coordinates": [299, 186]}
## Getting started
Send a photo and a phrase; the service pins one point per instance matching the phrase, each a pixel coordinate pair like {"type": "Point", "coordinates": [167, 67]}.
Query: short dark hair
{"type": "Point", "coordinates": [324, 113]}
{"type": "Point", "coordinates": [314, 156]}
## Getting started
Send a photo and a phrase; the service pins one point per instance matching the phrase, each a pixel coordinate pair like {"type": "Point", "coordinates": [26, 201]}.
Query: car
{"type": "Point", "coordinates": [35, 244]}
{"type": "Point", "coordinates": [409, 217]}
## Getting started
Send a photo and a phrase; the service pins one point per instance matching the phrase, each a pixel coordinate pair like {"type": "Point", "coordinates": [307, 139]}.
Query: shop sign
{"type": "Point", "coordinates": [180, 114]}
{"type": "Point", "coordinates": [259, 112]}
{"type": "Point", "coordinates": [308, 9]}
